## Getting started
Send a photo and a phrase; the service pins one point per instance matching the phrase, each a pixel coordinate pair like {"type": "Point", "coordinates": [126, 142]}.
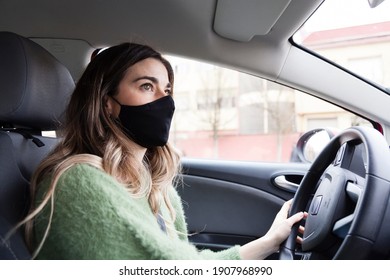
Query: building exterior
{"type": "Point", "coordinates": [230, 115]}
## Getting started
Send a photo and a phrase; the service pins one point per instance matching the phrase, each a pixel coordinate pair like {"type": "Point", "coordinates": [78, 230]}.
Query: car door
{"type": "Point", "coordinates": [238, 134]}
{"type": "Point", "coordinates": [233, 202]}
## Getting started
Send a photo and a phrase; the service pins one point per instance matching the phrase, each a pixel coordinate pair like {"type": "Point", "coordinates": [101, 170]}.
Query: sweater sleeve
{"type": "Point", "coordinates": [96, 218]}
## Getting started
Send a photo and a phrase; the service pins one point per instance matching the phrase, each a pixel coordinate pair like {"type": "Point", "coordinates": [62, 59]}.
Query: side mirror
{"type": "Point", "coordinates": [310, 144]}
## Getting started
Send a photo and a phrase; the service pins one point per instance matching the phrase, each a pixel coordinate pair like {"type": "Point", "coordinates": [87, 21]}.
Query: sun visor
{"type": "Point", "coordinates": [242, 22]}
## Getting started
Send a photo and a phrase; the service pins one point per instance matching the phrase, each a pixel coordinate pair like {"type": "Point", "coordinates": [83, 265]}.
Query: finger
{"type": "Point", "coordinates": [286, 206]}
{"type": "Point", "coordinates": [299, 239]}
{"type": "Point", "coordinates": [295, 218]}
{"type": "Point", "coordinates": [301, 229]}
{"type": "Point", "coordinates": [288, 202]}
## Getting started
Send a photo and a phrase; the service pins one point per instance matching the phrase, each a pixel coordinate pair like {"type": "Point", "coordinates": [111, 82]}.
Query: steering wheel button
{"type": "Point", "coordinates": [315, 205]}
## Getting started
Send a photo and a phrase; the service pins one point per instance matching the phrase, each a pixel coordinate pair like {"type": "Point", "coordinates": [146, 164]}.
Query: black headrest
{"type": "Point", "coordinates": [34, 86]}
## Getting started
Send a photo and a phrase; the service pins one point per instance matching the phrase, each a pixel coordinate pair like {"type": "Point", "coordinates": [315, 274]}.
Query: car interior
{"type": "Point", "coordinates": [35, 90]}
{"type": "Point", "coordinates": [45, 46]}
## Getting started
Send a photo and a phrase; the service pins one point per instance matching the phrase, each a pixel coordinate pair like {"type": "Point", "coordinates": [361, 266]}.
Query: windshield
{"type": "Point", "coordinates": [353, 35]}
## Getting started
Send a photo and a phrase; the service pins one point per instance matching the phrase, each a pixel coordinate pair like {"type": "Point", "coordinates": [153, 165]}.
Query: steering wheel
{"type": "Point", "coordinates": [348, 213]}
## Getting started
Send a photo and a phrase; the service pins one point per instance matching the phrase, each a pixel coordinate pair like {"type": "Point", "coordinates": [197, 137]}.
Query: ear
{"type": "Point", "coordinates": [108, 104]}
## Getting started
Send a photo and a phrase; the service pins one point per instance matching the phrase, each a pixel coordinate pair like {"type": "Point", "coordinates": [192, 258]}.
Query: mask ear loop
{"type": "Point", "coordinates": [115, 100]}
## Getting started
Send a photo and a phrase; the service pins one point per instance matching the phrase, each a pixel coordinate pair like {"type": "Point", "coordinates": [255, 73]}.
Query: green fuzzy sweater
{"type": "Point", "coordinates": [96, 218]}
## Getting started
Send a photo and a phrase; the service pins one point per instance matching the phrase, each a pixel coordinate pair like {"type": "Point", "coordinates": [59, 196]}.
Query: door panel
{"type": "Point", "coordinates": [228, 203]}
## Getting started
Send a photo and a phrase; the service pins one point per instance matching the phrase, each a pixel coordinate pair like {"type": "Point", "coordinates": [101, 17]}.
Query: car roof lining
{"type": "Point", "coordinates": [50, 19]}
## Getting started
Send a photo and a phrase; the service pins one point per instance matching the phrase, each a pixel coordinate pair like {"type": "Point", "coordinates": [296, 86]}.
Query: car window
{"type": "Point", "coordinates": [226, 114]}
{"type": "Point", "coordinates": [359, 42]}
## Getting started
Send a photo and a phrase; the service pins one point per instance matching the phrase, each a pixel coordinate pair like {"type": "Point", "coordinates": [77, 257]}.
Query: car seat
{"type": "Point", "coordinates": [34, 91]}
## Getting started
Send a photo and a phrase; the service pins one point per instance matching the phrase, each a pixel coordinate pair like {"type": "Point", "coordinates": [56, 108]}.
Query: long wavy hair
{"type": "Point", "coordinates": [91, 135]}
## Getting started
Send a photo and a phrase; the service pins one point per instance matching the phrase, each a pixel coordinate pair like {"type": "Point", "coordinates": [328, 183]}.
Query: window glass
{"type": "Point", "coordinates": [352, 34]}
{"type": "Point", "coordinates": [224, 114]}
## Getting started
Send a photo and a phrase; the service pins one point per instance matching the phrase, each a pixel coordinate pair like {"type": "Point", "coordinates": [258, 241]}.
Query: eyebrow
{"type": "Point", "coordinates": [152, 79]}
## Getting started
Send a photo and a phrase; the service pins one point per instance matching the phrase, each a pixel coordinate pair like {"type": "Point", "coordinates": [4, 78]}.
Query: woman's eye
{"type": "Point", "coordinates": [147, 87]}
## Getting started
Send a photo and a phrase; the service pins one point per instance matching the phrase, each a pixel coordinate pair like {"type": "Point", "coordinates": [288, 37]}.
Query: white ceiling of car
{"type": "Point", "coordinates": [183, 27]}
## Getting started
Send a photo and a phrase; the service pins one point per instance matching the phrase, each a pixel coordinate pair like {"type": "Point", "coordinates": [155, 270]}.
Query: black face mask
{"type": "Point", "coordinates": [148, 125]}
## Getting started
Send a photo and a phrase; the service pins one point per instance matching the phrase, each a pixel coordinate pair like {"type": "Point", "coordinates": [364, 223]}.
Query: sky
{"type": "Point", "coordinates": [343, 13]}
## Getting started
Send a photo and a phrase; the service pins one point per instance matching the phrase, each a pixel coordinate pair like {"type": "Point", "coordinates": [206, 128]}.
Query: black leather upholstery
{"type": "Point", "coordinates": [34, 90]}
{"type": "Point", "coordinates": [32, 84]}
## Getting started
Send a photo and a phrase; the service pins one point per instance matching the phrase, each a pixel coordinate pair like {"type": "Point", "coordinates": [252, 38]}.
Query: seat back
{"type": "Point", "coordinates": [34, 90]}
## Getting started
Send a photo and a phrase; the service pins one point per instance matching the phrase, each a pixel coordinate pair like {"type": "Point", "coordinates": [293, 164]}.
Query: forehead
{"type": "Point", "coordinates": [150, 67]}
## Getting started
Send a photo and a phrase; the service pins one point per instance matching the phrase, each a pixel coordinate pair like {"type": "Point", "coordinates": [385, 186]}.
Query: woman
{"type": "Point", "coordinates": [106, 191]}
